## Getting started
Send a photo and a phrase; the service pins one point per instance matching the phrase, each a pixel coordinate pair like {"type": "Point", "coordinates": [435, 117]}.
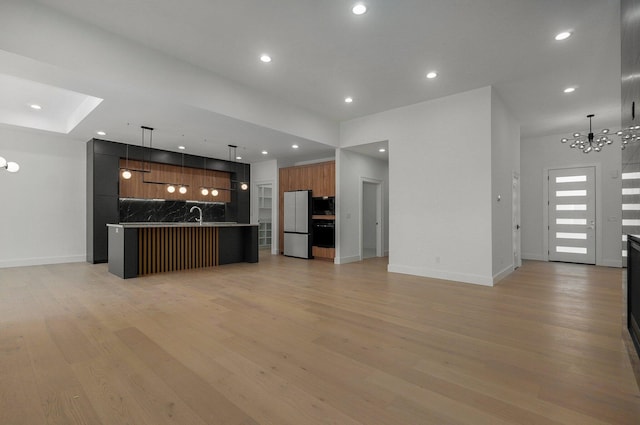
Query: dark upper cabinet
{"type": "Point", "coordinates": [106, 175]}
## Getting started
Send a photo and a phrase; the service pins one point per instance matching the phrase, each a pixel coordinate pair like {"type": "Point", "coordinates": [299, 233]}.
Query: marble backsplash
{"type": "Point", "coordinates": [147, 210]}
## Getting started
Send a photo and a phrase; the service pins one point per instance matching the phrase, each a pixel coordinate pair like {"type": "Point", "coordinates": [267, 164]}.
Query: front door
{"type": "Point", "coordinates": [572, 218]}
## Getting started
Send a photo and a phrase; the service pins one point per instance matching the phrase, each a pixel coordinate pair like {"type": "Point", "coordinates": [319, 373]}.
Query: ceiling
{"type": "Point", "coordinates": [323, 53]}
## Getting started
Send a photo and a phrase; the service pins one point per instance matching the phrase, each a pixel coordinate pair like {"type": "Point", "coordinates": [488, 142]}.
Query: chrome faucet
{"type": "Point", "coordinates": [199, 210]}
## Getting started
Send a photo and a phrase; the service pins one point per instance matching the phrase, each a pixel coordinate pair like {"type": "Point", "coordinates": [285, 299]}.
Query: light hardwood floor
{"type": "Point", "coordinates": [295, 342]}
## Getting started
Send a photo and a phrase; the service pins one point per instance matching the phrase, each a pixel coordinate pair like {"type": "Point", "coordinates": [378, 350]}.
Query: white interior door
{"type": "Point", "coordinates": [572, 218]}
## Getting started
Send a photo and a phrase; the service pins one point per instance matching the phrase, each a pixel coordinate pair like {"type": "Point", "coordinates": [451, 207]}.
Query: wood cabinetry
{"type": "Point", "coordinates": [153, 183]}
{"type": "Point", "coordinates": [320, 178]}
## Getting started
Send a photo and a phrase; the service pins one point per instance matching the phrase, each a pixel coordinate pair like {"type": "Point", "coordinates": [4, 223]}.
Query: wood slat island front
{"type": "Point", "coordinates": [138, 249]}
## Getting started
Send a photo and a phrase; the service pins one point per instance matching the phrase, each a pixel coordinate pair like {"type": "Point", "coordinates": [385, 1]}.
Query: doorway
{"type": "Point", "coordinates": [371, 219]}
{"type": "Point", "coordinates": [572, 217]}
{"type": "Point", "coordinates": [515, 220]}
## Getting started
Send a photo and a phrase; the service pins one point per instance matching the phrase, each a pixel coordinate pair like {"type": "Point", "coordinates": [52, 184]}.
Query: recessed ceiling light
{"type": "Point", "coordinates": [382, 150]}
{"type": "Point", "coordinates": [238, 157]}
{"type": "Point", "coordinates": [348, 99]}
{"type": "Point", "coordinates": [264, 152]}
{"type": "Point", "coordinates": [563, 35]}
{"type": "Point", "coordinates": [265, 58]}
{"type": "Point", "coordinates": [359, 9]}
{"type": "Point", "coordinates": [295, 146]}
{"type": "Point", "coordinates": [432, 75]}
{"type": "Point", "coordinates": [569, 89]}
{"type": "Point", "coordinates": [35, 106]}
{"type": "Point", "coordinates": [181, 148]}
{"type": "Point", "coordinates": [101, 133]}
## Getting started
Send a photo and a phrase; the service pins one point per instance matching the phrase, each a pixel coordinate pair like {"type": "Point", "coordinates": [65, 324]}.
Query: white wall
{"type": "Point", "coordinates": [43, 206]}
{"type": "Point", "coordinates": [505, 161]}
{"type": "Point", "coordinates": [540, 154]}
{"type": "Point", "coordinates": [439, 184]}
{"type": "Point", "coordinates": [351, 169]}
{"type": "Point", "coordinates": [266, 172]}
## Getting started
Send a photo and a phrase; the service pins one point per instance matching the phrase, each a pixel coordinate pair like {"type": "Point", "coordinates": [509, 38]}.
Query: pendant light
{"type": "Point", "coordinates": [203, 189]}
{"type": "Point", "coordinates": [243, 184]}
{"type": "Point", "coordinates": [183, 188]}
{"type": "Point", "coordinates": [233, 157]}
{"type": "Point", "coordinates": [126, 173]}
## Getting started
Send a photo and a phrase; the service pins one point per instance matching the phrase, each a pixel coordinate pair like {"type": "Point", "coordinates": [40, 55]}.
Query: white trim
{"type": "Point", "coordinates": [345, 260]}
{"type": "Point", "coordinates": [503, 273]}
{"type": "Point", "coordinates": [41, 261]}
{"type": "Point", "coordinates": [439, 274]}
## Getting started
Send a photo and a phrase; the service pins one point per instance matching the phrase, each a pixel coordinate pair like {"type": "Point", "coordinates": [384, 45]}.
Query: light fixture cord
{"type": "Point", "coordinates": [204, 172]}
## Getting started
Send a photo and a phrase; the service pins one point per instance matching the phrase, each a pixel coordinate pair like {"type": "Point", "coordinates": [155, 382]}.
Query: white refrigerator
{"type": "Point", "coordinates": [297, 224]}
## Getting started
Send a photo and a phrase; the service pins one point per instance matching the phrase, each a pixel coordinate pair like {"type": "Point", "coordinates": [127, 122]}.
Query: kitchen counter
{"type": "Point", "coordinates": [137, 249]}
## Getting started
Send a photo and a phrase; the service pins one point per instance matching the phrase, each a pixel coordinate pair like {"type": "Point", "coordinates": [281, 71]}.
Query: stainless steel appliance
{"type": "Point", "coordinates": [297, 224]}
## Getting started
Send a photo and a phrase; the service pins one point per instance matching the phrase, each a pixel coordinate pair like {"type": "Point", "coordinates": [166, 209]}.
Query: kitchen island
{"type": "Point", "coordinates": [138, 249]}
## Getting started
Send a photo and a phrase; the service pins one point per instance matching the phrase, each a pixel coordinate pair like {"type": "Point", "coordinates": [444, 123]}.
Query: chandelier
{"type": "Point", "coordinates": [594, 142]}
{"type": "Point", "coordinates": [629, 134]}
{"type": "Point", "coordinates": [591, 141]}
{"type": "Point", "coordinates": [10, 166]}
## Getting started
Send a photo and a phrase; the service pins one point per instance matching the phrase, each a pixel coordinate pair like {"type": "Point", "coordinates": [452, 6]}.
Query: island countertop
{"type": "Point", "coordinates": [146, 224]}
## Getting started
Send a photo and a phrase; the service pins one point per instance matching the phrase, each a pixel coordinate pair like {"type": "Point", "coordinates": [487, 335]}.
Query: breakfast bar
{"type": "Point", "coordinates": [138, 249]}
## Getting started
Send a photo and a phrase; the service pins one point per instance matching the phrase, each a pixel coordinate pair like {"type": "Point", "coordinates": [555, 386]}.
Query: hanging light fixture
{"type": "Point", "coordinates": [629, 134]}
{"type": "Point", "coordinates": [243, 184]}
{"type": "Point", "coordinates": [203, 189]}
{"type": "Point", "coordinates": [594, 142]}
{"type": "Point", "coordinates": [232, 157]}
{"type": "Point", "coordinates": [10, 166]}
{"type": "Point", "coordinates": [591, 142]}
{"type": "Point", "coordinates": [183, 188]}
{"type": "Point", "coordinates": [127, 172]}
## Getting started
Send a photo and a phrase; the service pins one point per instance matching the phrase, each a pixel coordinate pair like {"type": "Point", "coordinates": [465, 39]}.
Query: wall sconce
{"type": "Point", "coordinates": [10, 166]}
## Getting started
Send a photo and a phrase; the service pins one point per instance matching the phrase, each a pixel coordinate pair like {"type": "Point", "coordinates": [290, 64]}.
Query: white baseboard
{"type": "Point", "coordinates": [345, 260]}
{"type": "Point", "coordinates": [40, 261]}
{"type": "Point", "coordinates": [440, 274]}
{"type": "Point", "coordinates": [503, 273]}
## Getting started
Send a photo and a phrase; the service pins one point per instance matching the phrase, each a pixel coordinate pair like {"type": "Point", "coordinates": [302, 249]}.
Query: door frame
{"type": "Point", "coordinates": [379, 216]}
{"type": "Point", "coordinates": [516, 219]}
{"type": "Point", "coordinates": [598, 211]}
